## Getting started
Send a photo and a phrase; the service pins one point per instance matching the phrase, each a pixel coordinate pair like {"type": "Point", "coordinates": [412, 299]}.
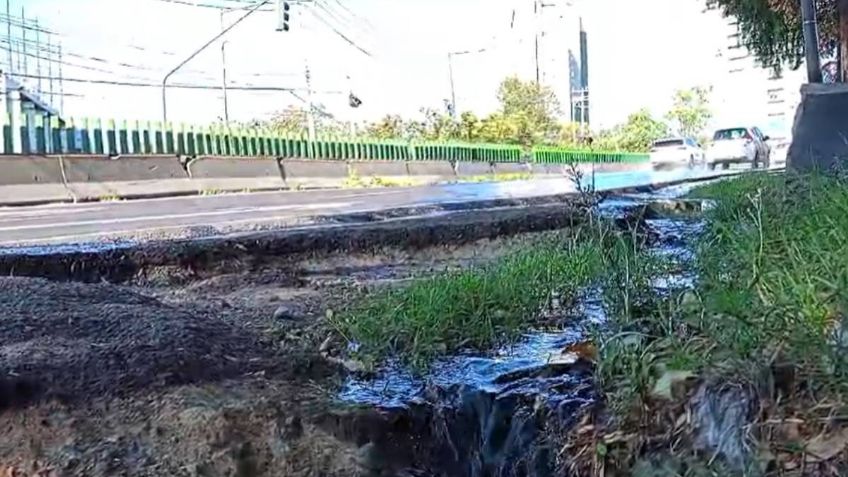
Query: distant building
{"type": "Point", "coordinates": [745, 92]}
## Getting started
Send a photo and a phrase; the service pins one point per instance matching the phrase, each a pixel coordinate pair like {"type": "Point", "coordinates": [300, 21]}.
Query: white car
{"type": "Point", "coordinates": [675, 152]}
{"type": "Point", "coordinates": [739, 145]}
{"type": "Point", "coordinates": [779, 149]}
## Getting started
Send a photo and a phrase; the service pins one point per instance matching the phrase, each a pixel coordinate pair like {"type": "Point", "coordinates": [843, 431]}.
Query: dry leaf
{"type": "Point", "coordinates": [585, 349]}
{"type": "Point", "coordinates": [825, 447]}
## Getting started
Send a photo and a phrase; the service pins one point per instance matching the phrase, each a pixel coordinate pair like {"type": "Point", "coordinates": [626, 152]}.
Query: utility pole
{"type": "Point", "coordinates": [38, 57]}
{"type": "Point", "coordinates": [224, 74]}
{"type": "Point", "coordinates": [9, 34]}
{"type": "Point", "coordinates": [811, 41]}
{"type": "Point", "coordinates": [310, 113]}
{"type": "Point", "coordinates": [452, 86]}
{"type": "Point", "coordinates": [842, 9]}
{"type": "Point", "coordinates": [50, 69]}
{"type": "Point", "coordinates": [24, 42]}
{"type": "Point", "coordinates": [61, 80]}
{"type": "Point", "coordinates": [538, 14]}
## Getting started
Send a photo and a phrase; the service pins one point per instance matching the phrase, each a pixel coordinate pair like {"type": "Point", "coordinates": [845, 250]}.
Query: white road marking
{"type": "Point", "coordinates": [147, 218]}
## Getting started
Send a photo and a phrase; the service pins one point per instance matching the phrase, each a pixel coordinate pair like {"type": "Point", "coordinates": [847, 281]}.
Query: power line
{"type": "Point", "coordinates": [340, 34]}
{"type": "Point", "coordinates": [176, 85]}
{"type": "Point", "coordinates": [337, 17]}
{"type": "Point", "coordinates": [352, 13]}
{"type": "Point", "coordinates": [190, 3]}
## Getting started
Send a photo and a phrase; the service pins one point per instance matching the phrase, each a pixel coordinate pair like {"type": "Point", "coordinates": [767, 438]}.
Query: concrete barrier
{"type": "Point", "coordinates": [820, 130]}
{"type": "Point", "coordinates": [511, 168]}
{"type": "Point", "coordinates": [314, 174]}
{"type": "Point", "coordinates": [431, 172]}
{"type": "Point", "coordinates": [473, 169]}
{"type": "Point", "coordinates": [128, 177]}
{"type": "Point", "coordinates": [548, 169]}
{"type": "Point", "coordinates": [31, 180]}
{"type": "Point", "coordinates": [234, 174]}
{"type": "Point", "coordinates": [392, 170]}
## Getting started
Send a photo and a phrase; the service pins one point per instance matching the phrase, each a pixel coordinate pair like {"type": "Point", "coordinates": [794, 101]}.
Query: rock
{"type": "Point", "coordinates": [284, 313]}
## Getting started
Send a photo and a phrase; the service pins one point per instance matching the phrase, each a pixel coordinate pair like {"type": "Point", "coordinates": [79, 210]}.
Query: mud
{"type": "Point", "coordinates": [203, 378]}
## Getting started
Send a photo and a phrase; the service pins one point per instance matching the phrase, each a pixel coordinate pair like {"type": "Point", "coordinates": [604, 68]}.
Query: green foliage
{"type": "Point", "coordinates": [690, 111]}
{"type": "Point", "coordinates": [636, 135]}
{"type": "Point", "coordinates": [771, 29]}
{"type": "Point", "coordinates": [775, 267]}
{"type": "Point", "coordinates": [531, 110]}
{"type": "Point", "coordinates": [389, 127]}
{"type": "Point", "coordinates": [477, 307]}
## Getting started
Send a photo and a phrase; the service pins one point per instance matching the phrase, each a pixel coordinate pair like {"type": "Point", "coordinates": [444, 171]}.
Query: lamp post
{"type": "Point", "coordinates": [200, 50]}
{"type": "Point", "coordinates": [450, 71]}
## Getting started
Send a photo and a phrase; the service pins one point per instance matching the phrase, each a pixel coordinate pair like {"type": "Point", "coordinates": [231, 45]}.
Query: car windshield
{"type": "Point", "coordinates": [668, 143]}
{"type": "Point", "coordinates": [731, 134]}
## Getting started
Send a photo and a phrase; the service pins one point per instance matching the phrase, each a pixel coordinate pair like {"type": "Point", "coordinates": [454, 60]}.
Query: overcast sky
{"type": "Point", "coordinates": [640, 51]}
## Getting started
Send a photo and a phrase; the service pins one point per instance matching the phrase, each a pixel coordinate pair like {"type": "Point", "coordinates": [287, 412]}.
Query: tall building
{"type": "Point", "coordinates": [746, 92]}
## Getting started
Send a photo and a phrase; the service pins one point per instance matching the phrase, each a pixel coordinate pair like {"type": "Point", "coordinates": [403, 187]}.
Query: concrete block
{"type": "Point", "coordinates": [122, 169]}
{"type": "Point", "coordinates": [473, 169]}
{"type": "Point", "coordinates": [314, 174]}
{"type": "Point", "coordinates": [29, 170]}
{"type": "Point", "coordinates": [392, 169]}
{"type": "Point", "coordinates": [820, 131]}
{"type": "Point", "coordinates": [431, 172]}
{"type": "Point", "coordinates": [31, 180]}
{"type": "Point", "coordinates": [127, 177]}
{"type": "Point", "coordinates": [233, 174]}
{"type": "Point", "coordinates": [548, 169]}
{"type": "Point", "coordinates": [511, 168]}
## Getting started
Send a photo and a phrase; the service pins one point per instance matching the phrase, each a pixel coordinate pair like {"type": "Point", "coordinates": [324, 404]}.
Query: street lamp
{"type": "Point", "coordinates": [450, 70]}
{"type": "Point", "coordinates": [200, 50]}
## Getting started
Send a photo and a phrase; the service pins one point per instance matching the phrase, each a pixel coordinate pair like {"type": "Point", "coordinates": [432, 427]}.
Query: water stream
{"type": "Point", "coordinates": [490, 414]}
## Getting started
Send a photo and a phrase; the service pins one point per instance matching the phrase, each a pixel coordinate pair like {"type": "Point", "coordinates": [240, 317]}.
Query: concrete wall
{"type": "Point", "coordinates": [43, 179]}
{"type": "Point", "coordinates": [127, 177]}
{"type": "Point", "coordinates": [820, 132]}
{"type": "Point", "coordinates": [314, 174]}
{"type": "Point", "coordinates": [234, 174]}
{"type": "Point", "coordinates": [27, 180]}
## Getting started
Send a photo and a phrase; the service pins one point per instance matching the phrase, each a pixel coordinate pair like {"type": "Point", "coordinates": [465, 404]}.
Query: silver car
{"type": "Point", "coordinates": [739, 145]}
{"type": "Point", "coordinates": [676, 152]}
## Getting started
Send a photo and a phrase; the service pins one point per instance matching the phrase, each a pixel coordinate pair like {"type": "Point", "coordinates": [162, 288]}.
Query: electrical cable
{"type": "Point", "coordinates": [340, 34]}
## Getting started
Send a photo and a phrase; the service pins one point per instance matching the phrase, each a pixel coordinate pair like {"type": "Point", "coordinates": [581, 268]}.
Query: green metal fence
{"type": "Point", "coordinates": [37, 135]}
{"type": "Point", "coordinates": [554, 155]}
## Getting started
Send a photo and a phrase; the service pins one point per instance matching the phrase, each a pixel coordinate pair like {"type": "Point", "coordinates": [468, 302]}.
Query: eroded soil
{"type": "Point", "coordinates": [221, 376]}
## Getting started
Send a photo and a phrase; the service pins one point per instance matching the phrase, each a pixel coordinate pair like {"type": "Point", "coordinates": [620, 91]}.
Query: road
{"type": "Point", "coordinates": [89, 222]}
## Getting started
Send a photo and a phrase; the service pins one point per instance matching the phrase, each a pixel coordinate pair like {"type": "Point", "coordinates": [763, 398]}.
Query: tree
{"type": "Point", "coordinates": [389, 127]}
{"type": "Point", "coordinates": [635, 135]}
{"type": "Point", "coordinates": [291, 121]}
{"type": "Point", "coordinates": [690, 111]}
{"type": "Point", "coordinates": [771, 29]}
{"type": "Point", "coordinates": [530, 109]}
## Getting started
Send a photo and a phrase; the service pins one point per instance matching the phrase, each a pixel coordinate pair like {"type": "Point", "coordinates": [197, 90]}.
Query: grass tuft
{"type": "Point", "coordinates": [478, 307]}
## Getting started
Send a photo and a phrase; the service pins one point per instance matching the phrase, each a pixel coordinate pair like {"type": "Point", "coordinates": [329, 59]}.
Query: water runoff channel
{"type": "Point", "coordinates": [489, 415]}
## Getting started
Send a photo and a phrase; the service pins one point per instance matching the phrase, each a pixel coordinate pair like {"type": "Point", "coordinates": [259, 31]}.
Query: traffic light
{"type": "Point", "coordinates": [283, 9]}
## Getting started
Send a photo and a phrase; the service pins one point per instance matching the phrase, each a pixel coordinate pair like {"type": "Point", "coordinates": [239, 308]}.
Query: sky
{"type": "Point", "coordinates": [640, 52]}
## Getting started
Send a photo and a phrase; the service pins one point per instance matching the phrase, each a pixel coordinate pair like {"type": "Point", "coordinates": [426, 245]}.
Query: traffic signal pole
{"type": "Point", "coordinates": [811, 41]}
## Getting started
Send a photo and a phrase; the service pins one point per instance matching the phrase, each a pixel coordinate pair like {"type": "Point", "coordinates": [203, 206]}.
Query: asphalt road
{"type": "Point", "coordinates": [90, 222]}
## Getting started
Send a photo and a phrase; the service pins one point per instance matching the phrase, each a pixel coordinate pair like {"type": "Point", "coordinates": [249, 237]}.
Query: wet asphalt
{"type": "Point", "coordinates": [90, 222]}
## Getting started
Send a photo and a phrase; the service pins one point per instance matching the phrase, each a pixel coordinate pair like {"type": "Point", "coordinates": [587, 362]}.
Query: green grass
{"type": "Point", "coordinates": [478, 307]}
{"type": "Point", "coordinates": [768, 311]}
{"type": "Point", "coordinates": [774, 268]}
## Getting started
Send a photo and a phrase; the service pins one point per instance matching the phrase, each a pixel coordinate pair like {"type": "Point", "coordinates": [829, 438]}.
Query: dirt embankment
{"type": "Point", "coordinates": [220, 375]}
